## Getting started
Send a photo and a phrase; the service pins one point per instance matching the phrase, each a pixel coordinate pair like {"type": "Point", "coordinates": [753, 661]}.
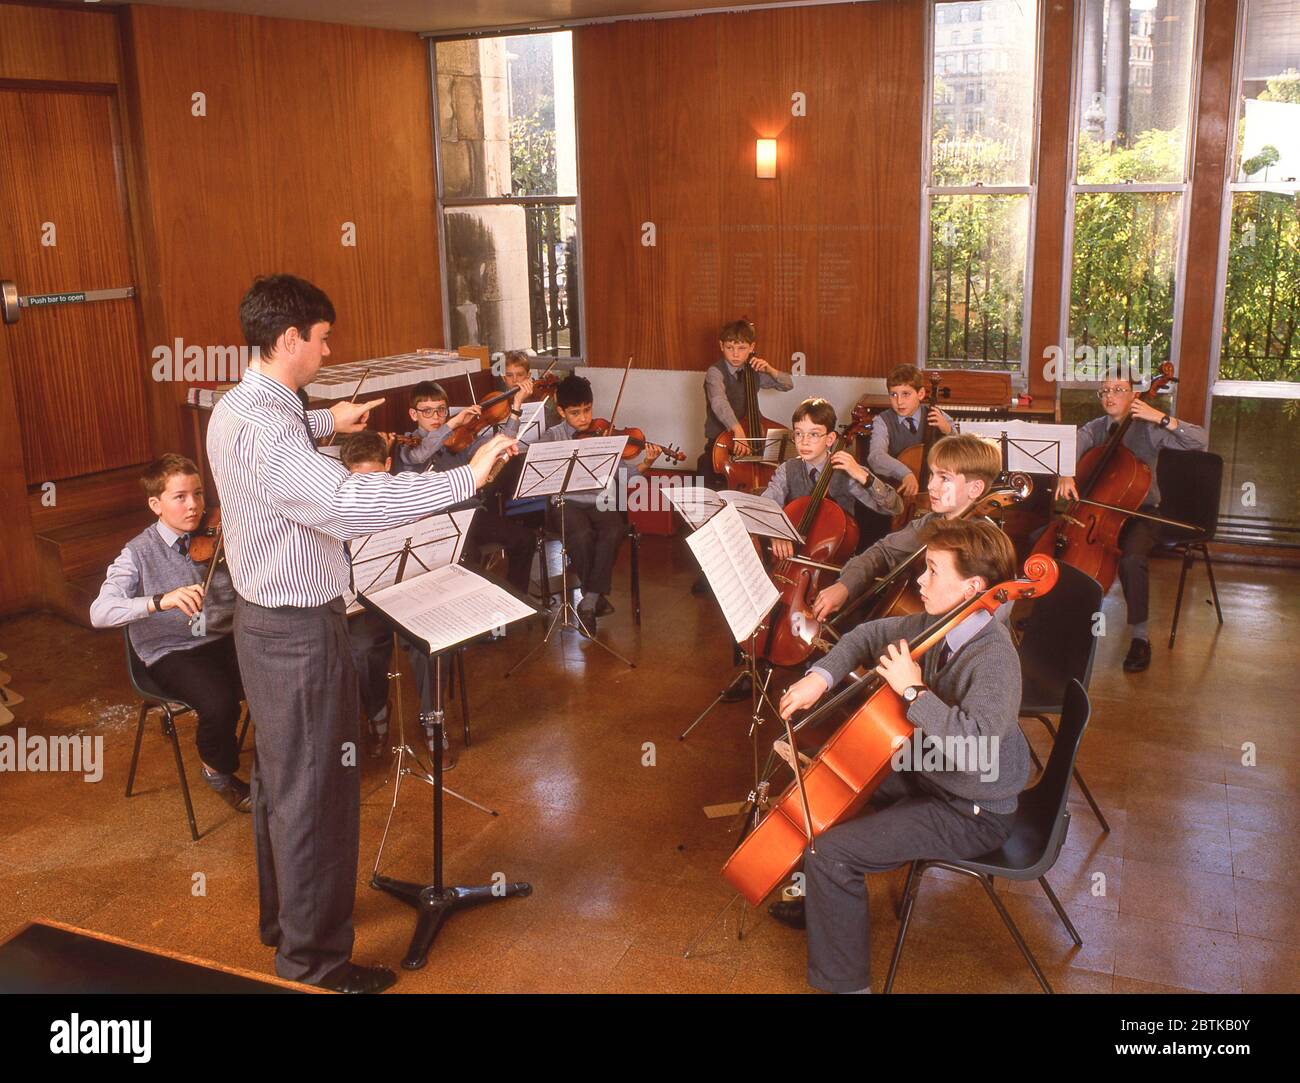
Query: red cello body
{"type": "Point", "coordinates": [856, 759]}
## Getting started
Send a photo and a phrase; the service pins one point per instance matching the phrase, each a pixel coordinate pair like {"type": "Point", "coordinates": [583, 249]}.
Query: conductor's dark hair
{"type": "Point", "coordinates": [573, 391]}
{"type": "Point", "coordinates": [274, 304]}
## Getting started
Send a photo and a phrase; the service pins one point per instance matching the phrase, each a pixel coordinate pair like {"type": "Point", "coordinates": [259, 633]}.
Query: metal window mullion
{"type": "Point", "coordinates": [510, 201]}
{"type": "Point", "coordinates": [438, 203]}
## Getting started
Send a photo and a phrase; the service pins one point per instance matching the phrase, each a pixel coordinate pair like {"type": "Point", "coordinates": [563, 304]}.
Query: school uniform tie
{"type": "Point", "coordinates": [183, 545]}
{"type": "Point", "coordinates": [911, 424]}
{"type": "Point", "coordinates": [812, 475]}
{"type": "Point", "coordinates": [945, 652]}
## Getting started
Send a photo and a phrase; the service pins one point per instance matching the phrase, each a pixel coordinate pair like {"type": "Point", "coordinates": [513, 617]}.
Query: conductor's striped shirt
{"type": "Point", "coordinates": [286, 509]}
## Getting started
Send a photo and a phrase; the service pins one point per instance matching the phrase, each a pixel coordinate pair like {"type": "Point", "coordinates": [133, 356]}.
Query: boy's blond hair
{"type": "Point", "coordinates": [978, 548]}
{"type": "Point", "coordinates": [973, 457]}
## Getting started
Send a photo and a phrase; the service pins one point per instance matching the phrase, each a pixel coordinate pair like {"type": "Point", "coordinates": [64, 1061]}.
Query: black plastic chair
{"type": "Point", "coordinates": [1041, 824]}
{"type": "Point", "coordinates": [634, 554]}
{"type": "Point", "coordinates": [1190, 483]}
{"type": "Point", "coordinates": [1057, 646]}
{"type": "Point", "coordinates": [171, 708]}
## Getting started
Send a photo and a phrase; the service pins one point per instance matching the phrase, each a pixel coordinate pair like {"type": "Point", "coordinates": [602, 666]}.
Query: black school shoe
{"type": "Point", "coordinates": [789, 912]}
{"type": "Point", "coordinates": [741, 687]}
{"type": "Point", "coordinates": [232, 789]}
{"type": "Point", "coordinates": [351, 978]}
{"type": "Point", "coordinates": [1138, 657]}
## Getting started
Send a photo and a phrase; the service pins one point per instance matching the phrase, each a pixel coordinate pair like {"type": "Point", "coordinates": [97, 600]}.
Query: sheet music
{"type": "Point", "coordinates": [435, 541]}
{"type": "Point", "coordinates": [769, 448]}
{"type": "Point", "coordinates": [758, 514]}
{"type": "Point", "coordinates": [449, 605]}
{"type": "Point", "coordinates": [1032, 447]}
{"type": "Point", "coordinates": [533, 423]}
{"type": "Point", "coordinates": [731, 565]}
{"type": "Point", "coordinates": [547, 466]}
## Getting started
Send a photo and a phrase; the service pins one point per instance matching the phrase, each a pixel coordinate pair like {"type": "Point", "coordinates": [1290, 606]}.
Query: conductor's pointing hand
{"type": "Point", "coordinates": [498, 449]}
{"type": "Point", "coordinates": [352, 416]}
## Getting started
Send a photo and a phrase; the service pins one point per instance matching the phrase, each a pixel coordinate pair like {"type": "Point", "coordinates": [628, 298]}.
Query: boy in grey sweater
{"type": "Point", "coordinates": [954, 787]}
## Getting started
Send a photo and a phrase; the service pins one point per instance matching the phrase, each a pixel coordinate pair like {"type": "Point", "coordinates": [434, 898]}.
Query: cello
{"type": "Point", "coordinates": [830, 537]}
{"type": "Point", "coordinates": [1112, 483]}
{"type": "Point", "coordinates": [917, 459]}
{"type": "Point", "coordinates": [744, 467]}
{"type": "Point", "coordinates": [857, 758]}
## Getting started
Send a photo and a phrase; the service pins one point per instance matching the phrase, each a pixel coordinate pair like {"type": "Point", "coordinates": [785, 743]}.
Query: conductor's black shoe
{"type": "Point", "coordinates": [788, 912]}
{"type": "Point", "coordinates": [604, 607]}
{"type": "Point", "coordinates": [741, 687]}
{"type": "Point", "coordinates": [1138, 657]}
{"type": "Point", "coordinates": [351, 978]}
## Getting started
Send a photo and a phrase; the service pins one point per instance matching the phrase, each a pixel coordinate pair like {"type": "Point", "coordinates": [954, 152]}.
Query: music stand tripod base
{"type": "Point", "coordinates": [435, 906]}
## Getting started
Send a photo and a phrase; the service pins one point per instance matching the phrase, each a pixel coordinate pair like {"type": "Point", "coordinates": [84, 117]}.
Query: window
{"type": "Point", "coordinates": [1128, 200]}
{"type": "Point", "coordinates": [978, 199]}
{"type": "Point", "coordinates": [507, 187]}
{"type": "Point", "coordinates": [1255, 406]}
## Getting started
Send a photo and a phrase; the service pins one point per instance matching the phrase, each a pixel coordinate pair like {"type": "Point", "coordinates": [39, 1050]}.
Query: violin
{"type": "Point", "coordinates": [856, 759]}
{"type": "Point", "coordinates": [493, 410]}
{"type": "Point", "coordinates": [205, 542]}
{"type": "Point", "coordinates": [636, 440]}
{"type": "Point", "coordinates": [397, 439]}
{"type": "Point", "coordinates": [729, 460]}
{"type": "Point", "coordinates": [917, 458]}
{"type": "Point", "coordinates": [896, 593]}
{"type": "Point", "coordinates": [830, 536]}
{"type": "Point", "coordinates": [1112, 483]}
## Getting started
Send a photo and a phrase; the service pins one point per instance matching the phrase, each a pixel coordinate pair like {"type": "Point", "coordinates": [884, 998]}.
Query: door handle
{"type": "Point", "coordinates": [11, 304]}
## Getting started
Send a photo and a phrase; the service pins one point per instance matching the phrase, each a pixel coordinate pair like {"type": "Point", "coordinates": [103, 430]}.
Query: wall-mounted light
{"type": "Point", "coordinates": [765, 158]}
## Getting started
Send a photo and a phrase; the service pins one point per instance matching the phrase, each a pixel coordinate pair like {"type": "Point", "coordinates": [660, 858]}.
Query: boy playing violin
{"type": "Point", "coordinates": [1150, 431]}
{"type": "Point", "coordinates": [593, 534]}
{"type": "Point", "coordinates": [724, 390]}
{"type": "Point", "coordinates": [181, 634]}
{"type": "Point", "coordinates": [966, 688]}
{"type": "Point", "coordinates": [814, 437]}
{"type": "Point", "coordinates": [429, 411]}
{"type": "Point", "coordinates": [962, 469]}
{"type": "Point", "coordinates": [899, 428]}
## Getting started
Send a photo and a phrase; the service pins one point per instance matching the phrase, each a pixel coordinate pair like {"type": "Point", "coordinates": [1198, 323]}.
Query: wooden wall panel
{"type": "Point", "coordinates": [308, 126]}
{"type": "Point", "coordinates": [1209, 174]}
{"type": "Point", "coordinates": [824, 257]}
{"type": "Point", "coordinates": [68, 45]}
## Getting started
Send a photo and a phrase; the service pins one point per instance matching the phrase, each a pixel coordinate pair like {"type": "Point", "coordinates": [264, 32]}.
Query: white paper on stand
{"type": "Point", "coordinates": [435, 541]}
{"type": "Point", "coordinates": [731, 565]}
{"type": "Point", "coordinates": [1032, 448]}
{"type": "Point", "coordinates": [759, 514]}
{"type": "Point", "coordinates": [533, 423]}
{"type": "Point", "coordinates": [594, 460]}
{"type": "Point", "coordinates": [449, 605]}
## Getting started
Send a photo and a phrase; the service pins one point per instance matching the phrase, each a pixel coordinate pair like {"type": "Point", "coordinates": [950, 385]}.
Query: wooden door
{"type": "Point", "coordinates": [77, 370]}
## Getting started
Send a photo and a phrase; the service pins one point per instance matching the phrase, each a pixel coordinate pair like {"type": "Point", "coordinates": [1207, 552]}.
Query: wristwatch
{"type": "Point", "coordinates": [157, 603]}
{"type": "Point", "coordinates": [1164, 422]}
{"type": "Point", "coordinates": [910, 695]}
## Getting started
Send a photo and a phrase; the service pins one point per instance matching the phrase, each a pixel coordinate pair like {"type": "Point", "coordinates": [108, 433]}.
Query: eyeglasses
{"type": "Point", "coordinates": [804, 437]}
{"type": "Point", "coordinates": [432, 411]}
{"type": "Point", "coordinates": [1102, 392]}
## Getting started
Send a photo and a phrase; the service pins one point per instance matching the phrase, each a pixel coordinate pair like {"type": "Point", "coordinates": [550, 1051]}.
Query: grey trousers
{"type": "Point", "coordinates": [914, 819]}
{"type": "Point", "coordinates": [1136, 541]}
{"type": "Point", "coordinates": [302, 689]}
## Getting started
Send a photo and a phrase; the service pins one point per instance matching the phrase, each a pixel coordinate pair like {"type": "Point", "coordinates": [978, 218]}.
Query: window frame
{"type": "Point", "coordinates": [1249, 389]}
{"type": "Point", "coordinates": [1183, 188]}
{"type": "Point", "coordinates": [1020, 374]}
{"type": "Point", "coordinates": [442, 203]}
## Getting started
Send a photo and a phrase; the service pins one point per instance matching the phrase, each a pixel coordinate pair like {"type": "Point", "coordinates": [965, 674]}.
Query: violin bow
{"type": "Point", "coordinates": [619, 398]}
{"type": "Point", "coordinates": [353, 399]}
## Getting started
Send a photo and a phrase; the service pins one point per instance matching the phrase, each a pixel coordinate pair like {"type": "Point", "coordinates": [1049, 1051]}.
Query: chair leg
{"type": "Point", "coordinates": [169, 727]}
{"type": "Point", "coordinates": [1083, 786]}
{"type": "Point", "coordinates": [1214, 589]}
{"type": "Point", "coordinates": [464, 695]}
{"type": "Point", "coordinates": [542, 570]}
{"type": "Point", "coordinates": [905, 919]}
{"type": "Point", "coordinates": [135, 754]}
{"type": "Point", "coordinates": [1015, 934]}
{"type": "Point", "coordinates": [1060, 912]}
{"type": "Point", "coordinates": [636, 577]}
{"type": "Point", "coordinates": [907, 887]}
{"type": "Point", "coordinates": [1178, 601]}
{"type": "Point", "coordinates": [243, 730]}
